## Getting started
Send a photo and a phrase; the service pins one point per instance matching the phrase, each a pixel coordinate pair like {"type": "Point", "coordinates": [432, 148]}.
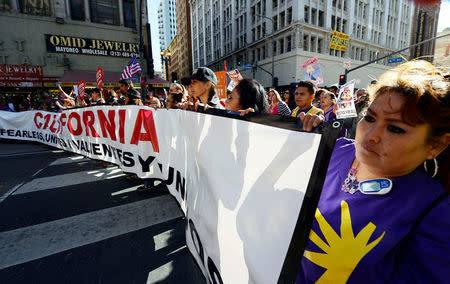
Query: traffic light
{"type": "Point", "coordinates": [239, 63]}
{"type": "Point", "coordinates": [275, 82]}
{"type": "Point", "coordinates": [174, 76]}
{"type": "Point", "coordinates": [150, 68]}
{"type": "Point", "coordinates": [342, 80]}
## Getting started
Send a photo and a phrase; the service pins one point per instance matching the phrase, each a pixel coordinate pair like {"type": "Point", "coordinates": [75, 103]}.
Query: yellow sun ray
{"type": "Point", "coordinates": [343, 253]}
{"type": "Point", "coordinates": [318, 241]}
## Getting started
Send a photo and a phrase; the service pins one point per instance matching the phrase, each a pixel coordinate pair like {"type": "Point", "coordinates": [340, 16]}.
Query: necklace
{"type": "Point", "coordinates": [351, 185]}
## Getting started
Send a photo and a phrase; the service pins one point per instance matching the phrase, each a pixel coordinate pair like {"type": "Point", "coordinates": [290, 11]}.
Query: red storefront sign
{"type": "Point", "coordinates": [23, 76]}
{"type": "Point", "coordinates": [21, 70]}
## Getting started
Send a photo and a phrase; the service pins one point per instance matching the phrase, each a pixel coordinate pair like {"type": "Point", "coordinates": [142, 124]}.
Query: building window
{"type": "Point", "coordinates": [274, 4]}
{"type": "Point", "coordinates": [5, 5]}
{"type": "Point", "coordinates": [32, 7]}
{"type": "Point", "coordinates": [306, 14]}
{"type": "Point", "coordinates": [77, 10]}
{"type": "Point", "coordinates": [321, 22]}
{"type": "Point", "coordinates": [312, 45]}
{"type": "Point", "coordinates": [288, 43]}
{"type": "Point", "coordinates": [104, 11]}
{"type": "Point", "coordinates": [319, 45]}
{"type": "Point", "coordinates": [281, 44]}
{"type": "Point", "coordinates": [289, 15]}
{"type": "Point", "coordinates": [282, 19]}
{"type": "Point", "coordinates": [128, 14]}
{"type": "Point", "coordinates": [305, 42]}
{"type": "Point", "coordinates": [313, 16]}
{"type": "Point", "coordinates": [275, 23]}
{"type": "Point", "coordinates": [274, 50]}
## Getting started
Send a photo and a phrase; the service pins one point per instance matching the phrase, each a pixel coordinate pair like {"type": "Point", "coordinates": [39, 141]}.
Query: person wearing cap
{"type": "Point", "coordinates": [132, 97]}
{"type": "Point", "coordinates": [334, 89]}
{"type": "Point", "coordinates": [202, 85]}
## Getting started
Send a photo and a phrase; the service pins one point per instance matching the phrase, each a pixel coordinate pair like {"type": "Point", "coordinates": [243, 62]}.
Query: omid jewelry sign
{"type": "Point", "coordinates": [88, 46]}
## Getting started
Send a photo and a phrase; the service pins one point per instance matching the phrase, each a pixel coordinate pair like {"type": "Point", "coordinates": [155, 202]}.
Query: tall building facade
{"type": "Point", "coordinates": [167, 22]}
{"type": "Point", "coordinates": [67, 39]}
{"type": "Point", "coordinates": [252, 31]}
{"type": "Point", "coordinates": [424, 26]}
{"type": "Point", "coordinates": [442, 50]}
{"type": "Point", "coordinates": [184, 42]}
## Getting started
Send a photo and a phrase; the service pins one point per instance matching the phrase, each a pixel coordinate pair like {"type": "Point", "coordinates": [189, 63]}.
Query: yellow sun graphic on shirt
{"type": "Point", "coordinates": [343, 252]}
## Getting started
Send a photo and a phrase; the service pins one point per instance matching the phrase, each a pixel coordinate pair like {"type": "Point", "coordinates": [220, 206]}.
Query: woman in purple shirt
{"type": "Point", "coordinates": [400, 234]}
{"type": "Point", "coordinates": [327, 102]}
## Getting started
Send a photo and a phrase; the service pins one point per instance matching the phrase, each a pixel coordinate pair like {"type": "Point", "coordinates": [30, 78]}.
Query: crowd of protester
{"type": "Point", "coordinates": [402, 123]}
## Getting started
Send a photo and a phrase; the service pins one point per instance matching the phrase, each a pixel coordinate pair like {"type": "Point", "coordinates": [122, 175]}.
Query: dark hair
{"type": "Point", "coordinates": [319, 92]}
{"type": "Point", "coordinates": [252, 95]}
{"type": "Point", "coordinates": [309, 85]}
{"type": "Point", "coordinates": [333, 87]}
{"type": "Point", "coordinates": [212, 92]}
{"type": "Point", "coordinates": [331, 94]}
{"type": "Point", "coordinates": [292, 105]}
{"type": "Point", "coordinates": [177, 97]}
{"type": "Point", "coordinates": [126, 82]}
{"type": "Point", "coordinates": [95, 90]}
{"type": "Point", "coordinates": [427, 101]}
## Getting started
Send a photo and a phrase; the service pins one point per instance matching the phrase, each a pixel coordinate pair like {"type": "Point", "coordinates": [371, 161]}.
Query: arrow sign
{"type": "Point", "coordinates": [395, 60]}
{"type": "Point", "coordinates": [99, 78]}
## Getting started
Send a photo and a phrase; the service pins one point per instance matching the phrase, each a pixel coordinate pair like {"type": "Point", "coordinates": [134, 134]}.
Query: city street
{"type": "Point", "coordinates": [66, 219]}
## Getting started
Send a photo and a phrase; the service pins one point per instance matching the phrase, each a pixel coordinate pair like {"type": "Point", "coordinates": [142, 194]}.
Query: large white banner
{"type": "Point", "coordinates": [240, 184]}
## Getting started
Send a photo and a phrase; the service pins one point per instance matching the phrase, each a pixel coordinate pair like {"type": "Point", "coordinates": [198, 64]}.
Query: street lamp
{"type": "Point", "coordinates": [273, 44]}
{"type": "Point", "coordinates": [165, 58]}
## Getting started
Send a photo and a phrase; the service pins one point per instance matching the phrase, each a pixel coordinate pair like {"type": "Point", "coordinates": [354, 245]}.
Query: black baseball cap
{"type": "Point", "coordinates": [204, 74]}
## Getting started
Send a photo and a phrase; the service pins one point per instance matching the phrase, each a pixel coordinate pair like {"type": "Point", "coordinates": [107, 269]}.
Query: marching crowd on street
{"type": "Point", "coordinates": [388, 176]}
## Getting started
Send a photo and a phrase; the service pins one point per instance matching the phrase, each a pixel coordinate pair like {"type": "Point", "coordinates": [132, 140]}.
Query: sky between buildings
{"type": "Point", "coordinates": [444, 22]}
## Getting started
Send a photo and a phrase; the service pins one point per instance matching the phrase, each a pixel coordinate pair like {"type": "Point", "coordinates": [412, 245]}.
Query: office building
{"type": "Point", "coordinates": [241, 31]}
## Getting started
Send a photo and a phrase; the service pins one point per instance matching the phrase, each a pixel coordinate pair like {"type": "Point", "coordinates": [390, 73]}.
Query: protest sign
{"type": "Point", "coordinates": [80, 89]}
{"type": "Point", "coordinates": [99, 78]}
{"type": "Point", "coordinates": [339, 41]}
{"type": "Point", "coordinates": [345, 103]}
{"type": "Point", "coordinates": [221, 87]}
{"type": "Point", "coordinates": [347, 64]}
{"type": "Point", "coordinates": [239, 228]}
{"type": "Point", "coordinates": [311, 70]}
{"type": "Point", "coordinates": [75, 90]}
{"type": "Point", "coordinates": [235, 77]}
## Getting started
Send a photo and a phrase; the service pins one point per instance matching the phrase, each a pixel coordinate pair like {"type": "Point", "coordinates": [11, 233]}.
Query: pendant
{"type": "Point", "coordinates": [350, 185]}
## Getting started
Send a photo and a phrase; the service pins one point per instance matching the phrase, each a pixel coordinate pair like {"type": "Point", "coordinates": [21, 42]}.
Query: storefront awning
{"type": "Point", "coordinates": [110, 80]}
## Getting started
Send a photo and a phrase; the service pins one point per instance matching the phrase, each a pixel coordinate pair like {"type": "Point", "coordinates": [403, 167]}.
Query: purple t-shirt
{"type": "Point", "coordinates": [358, 238]}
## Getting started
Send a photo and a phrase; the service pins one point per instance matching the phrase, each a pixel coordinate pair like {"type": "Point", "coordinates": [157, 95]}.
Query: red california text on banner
{"type": "Point", "coordinates": [81, 87]}
{"type": "Point", "coordinates": [99, 78]}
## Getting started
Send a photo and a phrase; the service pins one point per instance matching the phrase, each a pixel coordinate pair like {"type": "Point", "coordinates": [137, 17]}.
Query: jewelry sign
{"type": "Point", "coordinates": [87, 46]}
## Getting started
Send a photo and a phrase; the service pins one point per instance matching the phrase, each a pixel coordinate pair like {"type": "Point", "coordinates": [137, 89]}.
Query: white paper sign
{"type": "Point", "coordinates": [346, 103]}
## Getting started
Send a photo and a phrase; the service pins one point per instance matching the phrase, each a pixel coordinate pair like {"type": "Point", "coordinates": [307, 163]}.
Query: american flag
{"type": "Point", "coordinates": [132, 68]}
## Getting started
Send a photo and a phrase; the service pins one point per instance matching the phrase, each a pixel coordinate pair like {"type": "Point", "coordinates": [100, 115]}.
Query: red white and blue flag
{"type": "Point", "coordinates": [132, 68]}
